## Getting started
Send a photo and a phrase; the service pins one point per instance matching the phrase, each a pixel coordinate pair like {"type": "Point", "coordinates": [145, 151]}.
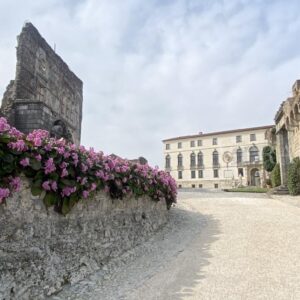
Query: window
{"type": "Point", "coordinates": [254, 156]}
{"type": "Point", "coordinates": [200, 159]}
{"type": "Point", "coordinates": [193, 160]}
{"type": "Point", "coordinates": [199, 143]}
{"type": "Point", "coordinates": [241, 172]}
{"type": "Point", "coordinates": [215, 158]}
{"type": "Point", "coordinates": [168, 161]}
{"type": "Point", "coordinates": [252, 137]}
{"type": "Point", "coordinates": [200, 186]}
{"type": "Point", "coordinates": [167, 146]}
{"type": "Point", "coordinates": [215, 141]}
{"type": "Point", "coordinates": [216, 186]}
{"type": "Point", "coordinates": [193, 174]}
{"type": "Point", "coordinates": [239, 156]}
{"type": "Point", "coordinates": [216, 173]}
{"type": "Point", "coordinates": [193, 186]}
{"type": "Point", "coordinates": [179, 160]}
{"type": "Point", "coordinates": [200, 173]}
{"type": "Point", "coordinates": [179, 174]}
{"type": "Point", "coordinates": [179, 186]}
{"type": "Point", "coordinates": [192, 143]}
{"type": "Point", "coordinates": [238, 138]}
{"type": "Point", "coordinates": [179, 145]}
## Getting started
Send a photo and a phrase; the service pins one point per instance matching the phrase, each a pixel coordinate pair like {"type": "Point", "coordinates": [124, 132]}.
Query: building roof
{"type": "Point", "coordinates": [217, 133]}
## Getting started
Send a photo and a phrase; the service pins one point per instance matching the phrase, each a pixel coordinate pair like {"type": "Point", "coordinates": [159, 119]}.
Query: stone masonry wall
{"type": "Point", "coordinates": [40, 250]}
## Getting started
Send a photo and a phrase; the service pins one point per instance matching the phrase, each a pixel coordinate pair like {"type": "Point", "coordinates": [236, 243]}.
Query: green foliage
{"type": "Point", "coordinates": [269, 158]}
{"type": "Point", "coordinates": [294, 177]}
{"type": "Point", "coordinates": [275, 176]}
{"type": "Point", "coordinates": [248, 189]}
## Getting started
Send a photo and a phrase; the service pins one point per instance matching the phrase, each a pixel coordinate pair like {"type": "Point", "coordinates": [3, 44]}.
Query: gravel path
{"type": "Point", "coordinates": [216, 246]}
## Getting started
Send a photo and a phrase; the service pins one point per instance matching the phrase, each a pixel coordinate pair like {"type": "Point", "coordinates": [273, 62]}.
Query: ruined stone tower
{"type": "Point", "coordinates": [45, 94]}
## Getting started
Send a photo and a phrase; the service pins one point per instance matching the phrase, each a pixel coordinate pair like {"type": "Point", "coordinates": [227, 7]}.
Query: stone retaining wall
{"type": "Point", "coordinates": [40, 250]}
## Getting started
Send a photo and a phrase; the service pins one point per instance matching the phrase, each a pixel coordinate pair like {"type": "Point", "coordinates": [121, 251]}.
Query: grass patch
{"type": "Point", "coordinates": [253, 189]}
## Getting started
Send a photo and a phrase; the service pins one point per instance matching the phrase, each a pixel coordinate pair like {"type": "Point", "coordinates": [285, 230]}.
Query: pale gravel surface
{"type": "Point", "coordinates": [216, 246]}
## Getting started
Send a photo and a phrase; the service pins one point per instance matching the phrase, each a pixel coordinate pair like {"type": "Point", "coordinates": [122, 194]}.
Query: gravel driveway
{"type": "Point", "coordinates": [216, 246]}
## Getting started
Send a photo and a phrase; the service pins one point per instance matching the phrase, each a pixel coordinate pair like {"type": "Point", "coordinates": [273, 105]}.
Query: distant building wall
{"type": "Point", "coordinates": [45, 90]}
{"type": "Point", "coordinates": [226, 160]}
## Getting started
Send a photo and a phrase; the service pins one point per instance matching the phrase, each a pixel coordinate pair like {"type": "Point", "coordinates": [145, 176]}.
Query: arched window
{"type": "Point", "coordinates": [215, 158]}
{"type": "Point", "coordinates": [200, 159]}
{"type": "Point", "coordinates": [168, 161]}
{"type": "Point", "coordinates": [179, 159]}
{"type": "Point", "coordinates": [193, 160]}
{"type": "Point", "coordinates": [254, 155]}
{"type": "Point", "coordinates": [239, 155]}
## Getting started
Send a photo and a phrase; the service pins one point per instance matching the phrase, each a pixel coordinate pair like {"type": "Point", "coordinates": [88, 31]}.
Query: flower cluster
{"type": "Point", "coordinates": [64, 173]}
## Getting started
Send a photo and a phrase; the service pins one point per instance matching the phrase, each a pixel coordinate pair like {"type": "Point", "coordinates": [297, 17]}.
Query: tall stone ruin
{"type": "Point", "coordinates": [45, 94]}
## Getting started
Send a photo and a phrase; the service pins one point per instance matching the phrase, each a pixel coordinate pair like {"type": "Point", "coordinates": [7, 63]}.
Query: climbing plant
{"type": "Point", "coordinates": [269, 158]}
{"type": "Point", "coordinates": [294, 177]}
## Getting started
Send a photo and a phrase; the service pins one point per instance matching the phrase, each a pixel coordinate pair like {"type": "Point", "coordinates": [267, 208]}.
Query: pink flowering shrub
{"type": "Point", "coordinates": [64, 173]}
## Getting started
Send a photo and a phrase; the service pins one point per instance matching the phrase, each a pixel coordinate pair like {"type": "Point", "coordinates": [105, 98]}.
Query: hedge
{"type": "Point", "coordinates": [294, 177]}
{"type": "Point", "coordinates": [63, 173]}
{"type": "Point", "coordinates": [275, 176]}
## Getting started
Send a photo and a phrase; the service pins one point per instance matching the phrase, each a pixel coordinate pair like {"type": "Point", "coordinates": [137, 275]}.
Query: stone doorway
{"type": "Point", "coordinates": [254, 177]}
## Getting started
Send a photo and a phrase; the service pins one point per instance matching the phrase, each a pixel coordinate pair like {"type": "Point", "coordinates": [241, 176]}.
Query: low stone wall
{"type": "Point", "coordinates": [41, 250]}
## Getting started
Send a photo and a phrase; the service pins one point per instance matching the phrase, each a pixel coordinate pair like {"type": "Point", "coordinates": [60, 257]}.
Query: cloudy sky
{"type": "Point", "coordinates": [155, 69]}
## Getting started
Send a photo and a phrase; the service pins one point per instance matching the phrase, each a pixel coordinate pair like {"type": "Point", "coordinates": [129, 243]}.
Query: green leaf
{"type": "Point", "coordinates": [36, 191]}
{"type": "Point", "coordinates": [66, 207]}
{"type": "Point", "coordinates": [8, 158]}
{"type": "Point", "coordinates": [68, 182]}
{"type": "Point", "coordinates": [5, 139]}
{"type": "Point", "coordinates": [50, 199]}
{"type": "Point", "coordinates": [35, 164]}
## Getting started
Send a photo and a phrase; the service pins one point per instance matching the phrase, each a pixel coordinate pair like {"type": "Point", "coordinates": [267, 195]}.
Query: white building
{"type": "Point", "coordinates": [219, 159]}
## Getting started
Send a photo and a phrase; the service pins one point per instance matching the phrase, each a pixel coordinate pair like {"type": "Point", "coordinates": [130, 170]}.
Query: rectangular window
{"type": "Point", "coordinates": [215, 141]}
{"type": "Point", "coordinates": [252, 137]}
{"type": "Point", "coordinates": [199, 143]}
{"type": "Point", "coordinates": [193, 186]}
{"type": "Point", "coordinates": [167, 146]}
{"type": "Point", "coordinates": [192, 143]}
{"type": "Point", "coordinates": [179, 186]}
{"type": "Point", "coordinates": [241, 171]}
{"type": "Point", "coordinates": [179, 174]}
{"type": "Point", "coordinates": [179, 145]}
{"type": "Point", "coordinates": [216, 186]}
{"type": "Point", "coordinates": [238, 138]}
{"type": "Point", "coordinates": [200, 186]}
{"type": "Point", "coordinates": [193, 174]}
{"type": "Point", "coordinates": [200, 173]}
{"type": "Point", "coordinates": [216, 173]}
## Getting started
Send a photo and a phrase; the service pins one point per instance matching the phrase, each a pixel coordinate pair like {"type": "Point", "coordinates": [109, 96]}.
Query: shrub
{"type": "Point", "coordinates": [275, 176]}
{"type": "Point", "coordinates": [269, 158]}
{"type": "Point", "coordinates": [294, 177]}
{"type": "Point", "coordinates": [64, 173]}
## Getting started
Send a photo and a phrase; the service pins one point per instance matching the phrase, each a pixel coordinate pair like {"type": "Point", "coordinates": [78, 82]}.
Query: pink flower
{"type": "Point", "coordinates": [4, 125]}
{"type": "Point", "coordinates": [38, 157]}
{"type": "Point", "coordinates": [85, 194]}
{"type": "Point", "coordinates": [54, 186]}
{"type": "Point", "coordinates": [46, 185]}
{"type": "Point", "coordinates": [67, 191]}
{"type": "Point", "coordinates": [93, 186]}
{"type": "Point", "coordinates": [64, 173]}
{"type": "Point", "coordinates": [24, 162]}
{"type": "Point", "coordinates": [15, 183]}
{"type": "Point", "coordinates": [4, 193]}
{"type": "Point", "coordinates": [49, 166]}
{"type": "Point", "coordinates": [18, 145]}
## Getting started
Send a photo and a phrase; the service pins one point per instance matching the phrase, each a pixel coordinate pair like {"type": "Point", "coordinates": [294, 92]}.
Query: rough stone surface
{"type": "Point", "coordinates": [216, 246]}
{"type": "Point", "coordinates": [41, 251]}
{"type": "Point", "coordinates": [45, 91]}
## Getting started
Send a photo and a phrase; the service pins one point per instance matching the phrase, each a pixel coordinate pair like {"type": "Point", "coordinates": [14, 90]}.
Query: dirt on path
{"type": "Point", "coordinates": [216, 246]}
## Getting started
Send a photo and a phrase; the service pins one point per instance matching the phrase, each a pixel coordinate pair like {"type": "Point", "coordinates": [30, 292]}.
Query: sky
{"type": "Point", "coordinates": [158, 69]}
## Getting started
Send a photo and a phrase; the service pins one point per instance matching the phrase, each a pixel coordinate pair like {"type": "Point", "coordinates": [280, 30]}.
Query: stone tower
{"type": "Point", "coordinates": [45, 94]}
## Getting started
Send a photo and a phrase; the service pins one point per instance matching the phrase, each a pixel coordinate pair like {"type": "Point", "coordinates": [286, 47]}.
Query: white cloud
{"type": "Point", "coordinates": [158, 69]}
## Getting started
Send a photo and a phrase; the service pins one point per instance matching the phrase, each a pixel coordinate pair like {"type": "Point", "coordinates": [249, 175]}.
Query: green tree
{"type": "Point", "coordinates": [294, 177]}
{"type": "Point", "coordinates": [275, 176]}
{"type": "Point", "coordinates": [269, 158]}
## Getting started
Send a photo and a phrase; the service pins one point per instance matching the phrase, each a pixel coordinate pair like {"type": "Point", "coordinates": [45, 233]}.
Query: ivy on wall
{"type": "Point", "coordinates": [63, 173]}
{"type": "Point", "coordinates": [269, 158]}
